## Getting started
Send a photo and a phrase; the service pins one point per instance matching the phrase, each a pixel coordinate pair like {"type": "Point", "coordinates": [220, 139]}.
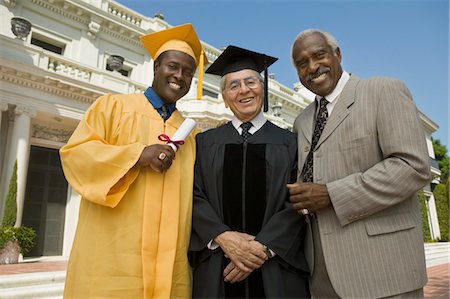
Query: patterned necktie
{"type": "Point", "coordinates": [165, 112]}
{"type": "Point", "coordinates": [321, 120]}
{"type": "Point", "coordinates": [245, 134]}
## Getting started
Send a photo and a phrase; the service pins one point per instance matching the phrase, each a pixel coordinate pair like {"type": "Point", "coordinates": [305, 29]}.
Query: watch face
{"type": "Point", "coordinates": [268, 252]}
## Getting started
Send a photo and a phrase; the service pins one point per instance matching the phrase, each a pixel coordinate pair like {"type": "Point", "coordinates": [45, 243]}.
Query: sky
{"type": "Point", "coordinates": [403, 39]}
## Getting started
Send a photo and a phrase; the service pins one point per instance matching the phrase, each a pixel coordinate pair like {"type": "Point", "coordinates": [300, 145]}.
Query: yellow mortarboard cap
{"type": "Point", "coordinates": [181, 38]}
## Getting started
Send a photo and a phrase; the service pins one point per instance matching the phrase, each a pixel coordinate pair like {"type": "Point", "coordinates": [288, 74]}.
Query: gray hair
{"type": "Point", "coordinates": [330, 39]}
{"type": "Point", "coordinates": [223, 81]}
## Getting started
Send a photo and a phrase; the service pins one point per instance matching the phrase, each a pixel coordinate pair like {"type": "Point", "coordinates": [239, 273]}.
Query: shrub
{"type": "Point", "coordinates": [25, 236]}
{"type": "Point", "coordinates": [442, 206]}
{"type": "Point", "coordinates": [425, 224]}
{"type": "Point", "coordinates": [10, 214]}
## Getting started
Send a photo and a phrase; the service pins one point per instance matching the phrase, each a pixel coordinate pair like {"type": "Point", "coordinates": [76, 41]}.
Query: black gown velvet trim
{"type": "Point", "coordinates": [244, 204]}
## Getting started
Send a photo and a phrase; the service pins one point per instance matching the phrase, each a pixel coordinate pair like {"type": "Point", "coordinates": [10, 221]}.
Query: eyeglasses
{"type": "Point", "coordinates": [251, 82]}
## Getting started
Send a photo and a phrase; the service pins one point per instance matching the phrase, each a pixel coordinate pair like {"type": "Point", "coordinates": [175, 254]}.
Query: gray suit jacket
{"type": "Point", "coordinates": [373, 158]}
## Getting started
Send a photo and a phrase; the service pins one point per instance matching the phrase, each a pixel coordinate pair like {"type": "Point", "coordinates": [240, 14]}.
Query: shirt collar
{"type": "Point", "coordinates": [338, 89]}
{"type": "Point", "coordinates": [156, 101]}
{"type": "Point", "coordinates": [257, 123]}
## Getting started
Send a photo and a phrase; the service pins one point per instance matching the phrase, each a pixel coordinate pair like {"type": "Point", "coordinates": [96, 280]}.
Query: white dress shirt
{"type": "Point", "coordinates": [257, 123]}
{"type": "Point", "coordinates": [333, 97]}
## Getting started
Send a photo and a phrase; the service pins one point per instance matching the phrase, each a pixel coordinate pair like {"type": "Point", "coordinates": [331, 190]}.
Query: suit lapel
{"type": "Point", "coordinates": [340, 111]}
{"type": "Point", "coordinates": [307, 121]}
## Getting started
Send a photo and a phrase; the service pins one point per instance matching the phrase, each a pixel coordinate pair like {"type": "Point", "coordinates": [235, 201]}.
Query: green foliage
{"type": "Point", "coordinates": [425, 225]}
{"type": "Point", "coordinates": [442, 206]}
{"type": "Point", "coordinates": [24, 235]}
{"type": "Point", "coordinates": [10, 213]}
{"type": "Point", "coordinates": [440, 152]}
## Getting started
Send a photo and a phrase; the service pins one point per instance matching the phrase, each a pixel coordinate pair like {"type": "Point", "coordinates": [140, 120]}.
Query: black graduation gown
{"type": "Point", "coordinates": [243, 188]}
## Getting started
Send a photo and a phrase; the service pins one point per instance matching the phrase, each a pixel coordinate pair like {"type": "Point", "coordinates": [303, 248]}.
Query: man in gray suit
{"type": "Point", "coordinates": [364, 157]}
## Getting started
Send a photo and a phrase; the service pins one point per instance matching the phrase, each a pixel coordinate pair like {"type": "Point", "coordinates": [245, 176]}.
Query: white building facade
{"type": "Point", "coordinates": [49, 78]}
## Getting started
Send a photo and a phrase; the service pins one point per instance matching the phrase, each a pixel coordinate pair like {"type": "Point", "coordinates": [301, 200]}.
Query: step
{"type": "Point", "coordinates": [34, 291]}
{"type": "Point", "coordinates": [437, 245]}
{"type": "Point", "coordinates": [437, 253]}
{"type": "Point", "coordinates": [31, 279]}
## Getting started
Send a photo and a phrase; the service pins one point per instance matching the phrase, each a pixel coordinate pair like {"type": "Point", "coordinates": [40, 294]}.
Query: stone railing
{"type": "Point", "coordinates": [211, 53]}
{"type": "Point", "coordinates": [54, 65]}
{"type": "Point", "coordinates": [124, 14]}
{"type": "Point", "coordinates": [69, 69]}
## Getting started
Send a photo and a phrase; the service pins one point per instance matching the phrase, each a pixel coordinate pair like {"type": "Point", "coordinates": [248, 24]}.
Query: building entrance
{"type": "Point", "coordinates": [45, 201]}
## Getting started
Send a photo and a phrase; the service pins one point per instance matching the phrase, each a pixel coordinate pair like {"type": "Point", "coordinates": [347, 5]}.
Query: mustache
{"type": "Point", "coordinates": [317, 74]}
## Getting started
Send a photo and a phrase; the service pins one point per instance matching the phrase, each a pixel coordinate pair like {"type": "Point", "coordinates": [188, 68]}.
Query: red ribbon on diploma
{"type": "Point", "coordinates": [164, 137]}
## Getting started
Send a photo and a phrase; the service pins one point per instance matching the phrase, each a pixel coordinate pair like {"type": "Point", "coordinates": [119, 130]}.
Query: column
{"type": "Point", "coordinates": [71, 221]}
{"type": "Point", "coordinates": [20, 151]}
{"type": "Point", "coordinates": [3, 142]}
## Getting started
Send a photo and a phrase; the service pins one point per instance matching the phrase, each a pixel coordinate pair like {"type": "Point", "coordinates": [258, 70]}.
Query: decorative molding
{"type": "Point", "coordinates": [124, 35]}
{"type": "Point", "coordinates": [21, 109]}
{"type": "Point", "coordinates": [206, 124]}
{"type": "Point", "coordinates": [94, 23]}
{"type": "Point", "coordinates": [51, 133]}
{"type": "Point", "coordinates": [93, 28]}
{"type": "Point", "coordinates": [124, 14]}
{"type": "Point", "coordinates": [3, 106]}
{"type": "Point", "coordinates": [51, 6]}
{"type": "Point", "coordinates": [48, 85]}
{"type": "Point", "coordinates": [10, 3]}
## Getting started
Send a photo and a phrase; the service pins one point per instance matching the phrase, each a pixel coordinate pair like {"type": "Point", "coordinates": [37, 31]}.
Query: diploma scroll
{"type": "Point", "coordinates": [178, 138]}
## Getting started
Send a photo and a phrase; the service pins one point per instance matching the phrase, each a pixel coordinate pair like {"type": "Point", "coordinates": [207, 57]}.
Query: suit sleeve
{"type": "Point", "coordinates": [404, 167]}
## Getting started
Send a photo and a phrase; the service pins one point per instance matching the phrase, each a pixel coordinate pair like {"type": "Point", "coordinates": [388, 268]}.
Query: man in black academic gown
{"type": "Point", "coordinates": [247, 240]}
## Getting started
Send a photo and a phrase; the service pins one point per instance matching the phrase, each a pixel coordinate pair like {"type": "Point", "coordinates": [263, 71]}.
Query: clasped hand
{"type": "Point", "coordinates": [310, 196]}
{"type": "Point", "coordinates": [246, 254]}
{"type": "Point", "coordinates": [158, 156]}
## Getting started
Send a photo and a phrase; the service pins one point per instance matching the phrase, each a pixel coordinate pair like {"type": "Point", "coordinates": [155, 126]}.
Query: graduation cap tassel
{"type": "Point", "coordinates": [200, 76]}
{"type": "Point", "coordinates": [266, 90]}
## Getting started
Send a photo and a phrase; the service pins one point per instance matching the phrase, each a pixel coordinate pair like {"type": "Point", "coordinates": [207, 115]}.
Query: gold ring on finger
{"type": "Point", "coordinates": [162, 156]}
{"type": "Point", "coordinates": [304, 211]}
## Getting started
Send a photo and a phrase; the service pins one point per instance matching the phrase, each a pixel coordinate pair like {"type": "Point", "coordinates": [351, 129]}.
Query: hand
{"type": "Point", "coordinates": [246, 255]}
{"type": "Point", "coordinates": [233, 274]}
{"type": "Point", "coordinates": [151, 157]}
{"type": "Point", "coordinates": [310, 196]}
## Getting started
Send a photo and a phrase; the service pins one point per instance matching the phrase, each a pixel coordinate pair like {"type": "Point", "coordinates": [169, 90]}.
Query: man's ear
{"type": "Point", "coordinates": [225, 102]}
{"type": "Point", "coordinates": [338, 53]}
{"type": "Point", "coordinates": [155, 66]}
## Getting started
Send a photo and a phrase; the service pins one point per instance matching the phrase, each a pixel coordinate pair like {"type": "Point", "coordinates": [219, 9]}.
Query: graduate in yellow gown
{"type": "Point", "coordinates": [135, 215]}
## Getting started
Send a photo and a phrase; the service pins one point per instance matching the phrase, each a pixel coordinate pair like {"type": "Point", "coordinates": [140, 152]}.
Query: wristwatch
{"type": "Point", "coordinates": [268, 252]}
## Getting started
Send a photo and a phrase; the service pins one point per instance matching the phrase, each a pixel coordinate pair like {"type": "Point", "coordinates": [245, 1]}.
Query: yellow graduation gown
{"type": "Point", "coordinates": [134, 223]}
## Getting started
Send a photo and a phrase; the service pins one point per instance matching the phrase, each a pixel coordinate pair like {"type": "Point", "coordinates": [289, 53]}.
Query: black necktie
{"type": "Point", "coordinates": [245, 134]}
{"type": "Point", "coordinates": [165, 112]}
{"type": "Point", "coordinates": [321, 120]}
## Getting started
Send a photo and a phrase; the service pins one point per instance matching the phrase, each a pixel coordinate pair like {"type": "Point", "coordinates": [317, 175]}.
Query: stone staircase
{"type": "Point", "coordinates": [437, 253]}
{"type": "Point", "coordinates": [32, 285]}
{"type": "Point", "coordinates": [50, 285]}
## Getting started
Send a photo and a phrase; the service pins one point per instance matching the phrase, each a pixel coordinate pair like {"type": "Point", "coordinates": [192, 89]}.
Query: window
{"type": "Point", "coordinates": [210, 93]}
{"type": "Point", "coordinates": [48, 43]}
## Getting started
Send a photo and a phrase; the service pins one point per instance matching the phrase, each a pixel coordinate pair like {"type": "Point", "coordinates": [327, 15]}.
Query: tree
{"type": "Point", "coordinates": [440, 152]}
{"type": "Point", "coordinates": [442, 206]}
{"type": "Point", "coordinates": [10, 214]}
{"type": "Point", "coordinates": [424, 211]}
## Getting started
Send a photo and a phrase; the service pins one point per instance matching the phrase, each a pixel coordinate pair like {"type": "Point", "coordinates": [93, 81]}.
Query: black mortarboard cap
{"type": "Point", "coordinates": [235, 59]}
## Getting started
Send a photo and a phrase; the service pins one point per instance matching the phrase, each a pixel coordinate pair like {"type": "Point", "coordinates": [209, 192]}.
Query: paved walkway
{"type": "Point", "coordinates": [438, 286]}
{"type": "Point", "coordinates": [32, 267]}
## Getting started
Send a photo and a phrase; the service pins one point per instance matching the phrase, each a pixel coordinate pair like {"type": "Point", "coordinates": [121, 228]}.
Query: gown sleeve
{"type": "Point", "coordinates": [206, 222]}
{"type": "Point", "coordinates": [98, 168]}
{"type": "Point", "coordinates": [284, 232]}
